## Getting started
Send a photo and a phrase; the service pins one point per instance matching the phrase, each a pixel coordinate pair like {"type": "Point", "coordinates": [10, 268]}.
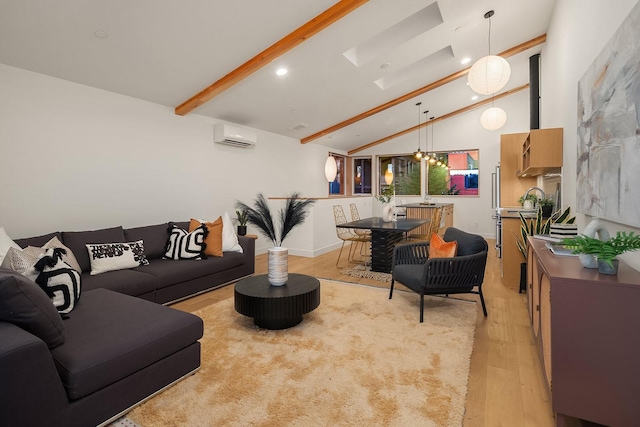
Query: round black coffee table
{"type": "Point", "coordinates": [277, 307]}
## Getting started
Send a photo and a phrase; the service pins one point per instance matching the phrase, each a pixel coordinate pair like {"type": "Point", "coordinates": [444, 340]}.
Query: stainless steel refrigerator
{"type": "Point", "coordinates": [495, 204]}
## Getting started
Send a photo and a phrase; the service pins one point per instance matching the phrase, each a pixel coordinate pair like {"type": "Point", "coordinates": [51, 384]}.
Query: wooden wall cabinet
{"type": "Point", "coordinates": [585, 325]}
{"type": "Point", "coordinates": [512, 187]}
{"type": "Point", "coordinates": [540, 152]}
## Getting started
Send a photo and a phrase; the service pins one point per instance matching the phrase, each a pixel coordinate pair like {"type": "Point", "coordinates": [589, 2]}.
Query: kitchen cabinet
{"type": "Point", "coordinates": [540, 152]}
{"type": "Point", "coordinates": [511, 186]}
{"type": "Point", "coordinates": [585, 328]}
{"type": "Point", "coordinates": [511, 256]}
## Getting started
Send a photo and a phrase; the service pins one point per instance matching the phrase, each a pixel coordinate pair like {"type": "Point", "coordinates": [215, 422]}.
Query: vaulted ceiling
{"type": "Point", "coordinates": [350, 83]}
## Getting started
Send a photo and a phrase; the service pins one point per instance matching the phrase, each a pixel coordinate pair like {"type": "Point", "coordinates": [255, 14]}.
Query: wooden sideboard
{"type": "Point", "coordinates": [585, 325]}
{"type": "Point", "coordinates": [420, 211]}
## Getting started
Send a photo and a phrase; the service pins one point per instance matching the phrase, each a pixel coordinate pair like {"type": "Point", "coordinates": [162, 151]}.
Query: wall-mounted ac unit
{"type": "Point", "coordinates": [235, 136]}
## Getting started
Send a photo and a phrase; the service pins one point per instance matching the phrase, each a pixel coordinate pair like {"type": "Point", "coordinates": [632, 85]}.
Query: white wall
{"type": "Point", "coordinates": [578, 32]}
{"type": "Point", "coordinates": [471, 213]}
{"type": "Point", "coordinates": [73, 157]}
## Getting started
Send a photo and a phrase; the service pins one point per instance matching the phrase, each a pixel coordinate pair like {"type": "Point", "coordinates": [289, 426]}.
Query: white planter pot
{"type": "Point", "coordinates": [278, 265]}
{"type": "Point", "coordinates": [593, 229]}
{"type": "Point", "coordinates": [387, 212]}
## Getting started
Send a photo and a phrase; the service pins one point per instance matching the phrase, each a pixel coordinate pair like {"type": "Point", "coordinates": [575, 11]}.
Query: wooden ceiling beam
{"type": "Point", "coordinates": [314, 26]}
{"type": "Point", "coordinates": [438, 119]}
{"type": "Point", "coordinates": [431, 86]}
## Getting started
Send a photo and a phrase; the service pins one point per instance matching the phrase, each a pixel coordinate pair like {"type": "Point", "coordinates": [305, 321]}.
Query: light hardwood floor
{"type": "Point", "coordinates": [506, 386]}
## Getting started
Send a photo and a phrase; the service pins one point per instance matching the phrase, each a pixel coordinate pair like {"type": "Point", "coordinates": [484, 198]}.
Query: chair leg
{"type": "Point", "coordinates": [421, 308]}
{"type": "Point", "coordinates": [353, 247]}
{"type": "Point", "coordinates": [391, 289]}
{"type": "Point", "coordinates": [339, 255]}
{"type": "Point", "coordinates": [484, 307]}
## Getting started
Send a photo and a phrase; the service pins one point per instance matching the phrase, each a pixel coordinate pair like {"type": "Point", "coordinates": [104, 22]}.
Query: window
{"type": "Point", "coordinates": [456, 175]}
{"type": "Point", "coordinates": [361, 176]}
{"type": "Point", "coordinates": [405, 170]}
{"type": "Point", "coordinates": [337, 187]}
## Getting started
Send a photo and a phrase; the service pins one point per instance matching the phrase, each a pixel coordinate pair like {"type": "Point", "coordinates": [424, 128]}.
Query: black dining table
{"type": "Point", "coordinates": [384, 236]}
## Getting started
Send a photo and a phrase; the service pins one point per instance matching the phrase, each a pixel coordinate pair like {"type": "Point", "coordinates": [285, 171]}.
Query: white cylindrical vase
{"type": "Point", "coordinates": [387, 212]}
{"type": "Point", "coordinates": [278, 265]}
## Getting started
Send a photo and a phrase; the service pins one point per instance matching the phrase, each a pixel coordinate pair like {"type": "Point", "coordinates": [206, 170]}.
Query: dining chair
{"type": "Point", "coordinates": [434, 226]}
{"type": "Point", "coordinates": [401, 212]}
{"type": "Point", "coordinates": [355, 216]}
{"type": "Point", "coordinates": [346, 235]}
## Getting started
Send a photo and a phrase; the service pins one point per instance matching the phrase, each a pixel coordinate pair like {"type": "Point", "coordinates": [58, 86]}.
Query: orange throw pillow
{"type": "Point", "coordinates": [438, 248]}
{"type": "Point", "coordinates": [214, 238]}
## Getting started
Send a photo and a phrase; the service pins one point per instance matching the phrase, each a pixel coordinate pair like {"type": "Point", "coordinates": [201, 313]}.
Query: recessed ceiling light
{"type": "Point", "coordinates": [100, 34]}
{"type": "Point", "coordinates": [465, 60]}
{"type": "Point", "coordinates": [474, 97]}
{"type": "Point", "coordinates": [282, 71]}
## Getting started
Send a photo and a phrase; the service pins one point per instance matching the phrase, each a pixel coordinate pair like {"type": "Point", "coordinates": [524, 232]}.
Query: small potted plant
{"type": "Point", "coordinates": [605, 251]}
{"type": "Point", "coordinates": [529, 202]}
{"type": "Point", "coordinates": [385, 198]}
{"type": "Point", "coordinates": [547, 207]}
{"type": "Point", "coordinates": [243, 218]}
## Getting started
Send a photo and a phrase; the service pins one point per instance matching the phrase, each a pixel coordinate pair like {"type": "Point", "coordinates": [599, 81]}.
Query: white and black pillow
{"type": "Point", "coordinates": [116, 256]}
{"type": "Point", "coordinates": [58, 280]}
{"type": "Point", "coordinates": [183, 245]}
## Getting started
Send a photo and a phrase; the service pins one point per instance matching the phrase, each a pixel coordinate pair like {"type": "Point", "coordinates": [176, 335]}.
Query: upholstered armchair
{"type": "Point", "coordinates": [463, 273]}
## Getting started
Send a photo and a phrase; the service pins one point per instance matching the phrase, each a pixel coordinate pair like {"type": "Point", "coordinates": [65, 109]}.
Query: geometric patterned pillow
{"type": "Point", "coordinates": [183, 245]}
{"type": "Point", "coordinates": [22, 261]}
{"type": "Point", "coordinates": [58, 280]}
{"type": "Point", "coordinates": [214, 236]}
{"type": "Point", "coordinates": [69, 258]}
{"type": "Point", "coordinates": [116, 256]}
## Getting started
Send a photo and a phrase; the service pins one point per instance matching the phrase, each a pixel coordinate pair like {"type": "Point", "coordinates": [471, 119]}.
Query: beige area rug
{"type": "Point", "coordinates": [359, 359]}
{"type": "Point", "coordinates": [365, 271]}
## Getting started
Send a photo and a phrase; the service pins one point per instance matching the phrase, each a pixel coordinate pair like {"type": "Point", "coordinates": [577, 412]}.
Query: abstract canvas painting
{"type": "Point", "coordinates": [608, 169]}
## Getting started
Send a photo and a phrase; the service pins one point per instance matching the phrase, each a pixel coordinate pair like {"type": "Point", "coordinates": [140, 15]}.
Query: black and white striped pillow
{"type": "Point", "coordinates": [183, 245]}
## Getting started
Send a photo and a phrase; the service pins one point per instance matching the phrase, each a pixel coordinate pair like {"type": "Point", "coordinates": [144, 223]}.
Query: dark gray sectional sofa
{"type": "Point", "coordinates": [119, 344]}
{"type": "Point", "coordinates": [163, 280]}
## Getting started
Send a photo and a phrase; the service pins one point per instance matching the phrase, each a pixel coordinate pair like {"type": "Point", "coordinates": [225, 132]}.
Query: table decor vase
{"type": "Point", "coordinates": [278, 265]}
{"type": "Point", "coordinates": [387, 212]}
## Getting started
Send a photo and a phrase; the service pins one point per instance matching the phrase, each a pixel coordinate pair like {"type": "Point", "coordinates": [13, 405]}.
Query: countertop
{"type": "Point", "coordinates": [514, 211]}
{"type": "Point", "coordinates": [424, 205]}
{"type": "Point", "coordinates": [516, 216]}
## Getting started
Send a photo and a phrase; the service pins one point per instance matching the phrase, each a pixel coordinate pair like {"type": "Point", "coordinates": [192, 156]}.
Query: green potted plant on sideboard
{"type": "Point", "coordinates": [537, 225]}
{"type": "Point", "coordinates": [606, 251]}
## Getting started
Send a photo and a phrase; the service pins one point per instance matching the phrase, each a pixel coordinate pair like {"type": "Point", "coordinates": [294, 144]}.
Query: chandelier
{"type": "Point", "coordinates": [418, 154]}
